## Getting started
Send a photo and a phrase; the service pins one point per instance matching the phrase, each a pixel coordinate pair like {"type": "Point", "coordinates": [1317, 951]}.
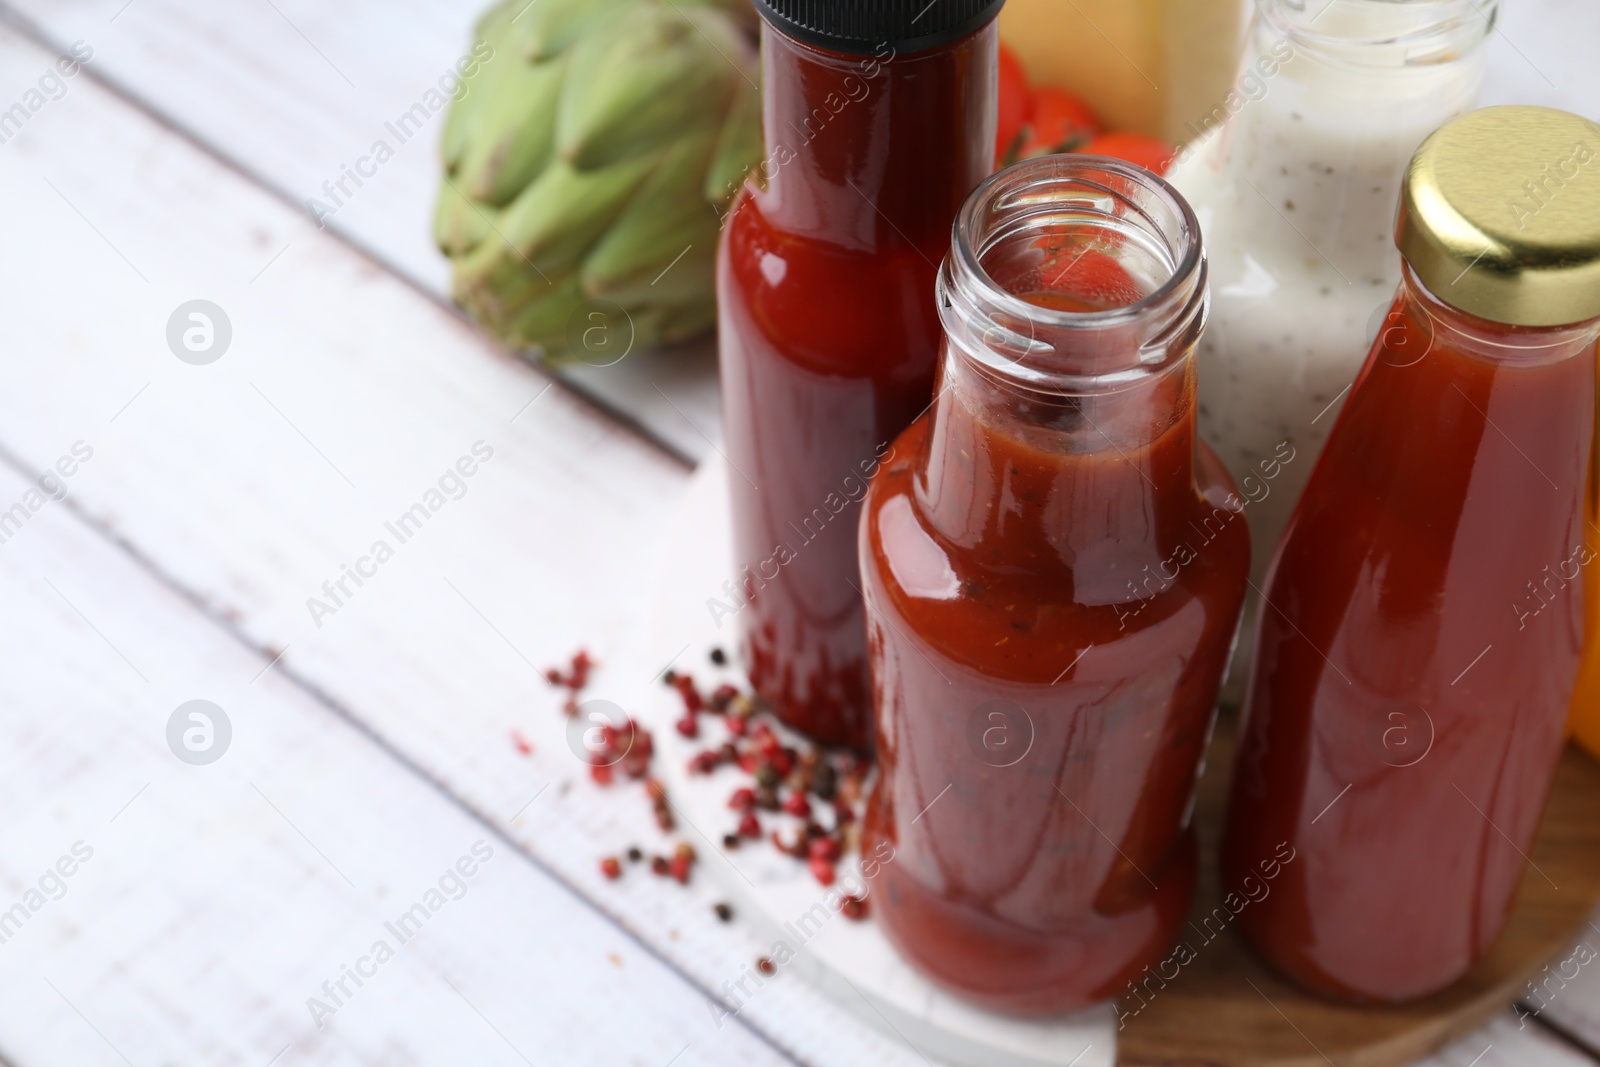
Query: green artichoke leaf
{"type": "Point", "coordinates": [739, 146]}
{"type": "Point", "coordinates": [513, 138]}
{"type": "Point", "coordinates": [546, 28]}
{"type": "Point", "coordinates": [458, 224]}
{"type": "Point", "coordinates": [544, 321]}
{"type": "Point", "coordinates": [553, 222]}
{"type": "Point", "coordinates": [660, 74]}
{"type": "Point", "coordinates": [664, 222]}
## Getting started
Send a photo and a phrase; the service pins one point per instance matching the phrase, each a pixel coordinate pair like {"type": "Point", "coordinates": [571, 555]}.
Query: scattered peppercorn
{"type": "Point", "coordinates": [634, 855]}
{"type": "Point", "coordinates": [854, 908]}
{"type": "Point", "coordinates": [766, 966]}
{"type": "Point", "coordinates": [824, 848]}
{"type": "Point", "coordinates": [724, 912]}
{"type": "Point", "coordinates": [730, 841]}
{"type": "Point", "coordinates": [659, 865]}
{"type": "Point", "coordinates": [719, 657]}
{"type": "Point", "coordinates": [611, 868]}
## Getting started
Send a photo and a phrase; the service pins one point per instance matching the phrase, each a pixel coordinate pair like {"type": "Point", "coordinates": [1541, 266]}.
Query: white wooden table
{"type": "Point", "coordinates": [370, 748]}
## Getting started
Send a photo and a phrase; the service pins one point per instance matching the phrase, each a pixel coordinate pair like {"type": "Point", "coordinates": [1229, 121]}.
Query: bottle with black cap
{"type": "Point", "coordinates": [879, 120]}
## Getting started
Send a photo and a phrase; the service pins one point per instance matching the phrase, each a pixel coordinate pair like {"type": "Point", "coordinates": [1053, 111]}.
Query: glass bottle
{"type": "Point", "coordinates": [1053, 567]}
{"type": "Point", "coordinates": [877, 124]}
{"type": "Point", "coordinates": [1583, 720]}
{"type": "Point", "coordinates": [1294, 185]}
{"type": "Point", "coordinates": [1411, 682]}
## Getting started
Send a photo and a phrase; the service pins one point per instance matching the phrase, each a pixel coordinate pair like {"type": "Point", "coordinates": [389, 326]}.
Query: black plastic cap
{"type": "Point", "coordinates": [865, 27]}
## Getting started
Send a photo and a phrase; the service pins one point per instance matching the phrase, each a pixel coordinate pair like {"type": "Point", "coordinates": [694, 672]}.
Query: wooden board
{"type": "Point", "coordinates": [1227, 1010]}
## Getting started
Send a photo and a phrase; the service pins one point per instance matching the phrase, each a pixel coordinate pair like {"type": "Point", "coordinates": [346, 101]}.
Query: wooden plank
{"type": "Point", "coordinates": [342, 404]}
{"type": "Point", "coordinates": [1566, 994]}
{"type": "Point", "coordinates": [1542, 52]}
{"type": "Point", "coordinates": [206, 905]}
{"type": "Point", "coordinates": [1507, 1042]}
{"type": "Point", "coordinates": [293, 92]}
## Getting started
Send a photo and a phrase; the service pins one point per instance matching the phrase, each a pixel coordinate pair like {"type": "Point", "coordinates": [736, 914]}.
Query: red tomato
{"type": "Point", "coordinates": [1134, 147]}
{"type": "Point", "coordinates": [1060, 123]}
{"type": "Point", "coordinates": [1016, 104]}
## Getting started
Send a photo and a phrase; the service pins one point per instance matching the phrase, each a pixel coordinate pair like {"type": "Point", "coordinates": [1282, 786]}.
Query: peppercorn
{"type": "Point", "coordinates": [611, 868]}
{"type": "Point", "coordinates": [766, 966]}
{"type": "Point", "coordinates": [659, 865]}
{"type": "Point", "coordinates": [730, 841]}
{"type": "Point", "coordinates": [854, 908]}
{"type": "Point", "coordinates": [824, 848]}
{"type": "Point", "coordinates": [825, 781]}
{"type": "Point", "coordinates": [766, 775]}
{"type": "Point", "coordinates": [719, 657]}
{"type": "Point", "coordinates": [634, 855]}
{"type": "Point", "coordinates": [724, 912]}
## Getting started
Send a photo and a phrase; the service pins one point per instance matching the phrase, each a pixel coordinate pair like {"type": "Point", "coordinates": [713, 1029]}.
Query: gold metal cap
{"type": "Point", "coordinates": [1500, 215]}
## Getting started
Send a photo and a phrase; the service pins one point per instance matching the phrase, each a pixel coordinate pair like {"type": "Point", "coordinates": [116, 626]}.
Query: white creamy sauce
{"type": "Point", "coordinates": [1296, 198]}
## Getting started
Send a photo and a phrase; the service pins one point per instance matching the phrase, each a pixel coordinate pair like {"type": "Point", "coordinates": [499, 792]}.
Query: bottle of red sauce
{"type": "Point", "coordinates": [1424, 610]}
{"type": "Point", "coordinates": [1054, 566]}
{"type": "Point", "coordinates": [879, 120]}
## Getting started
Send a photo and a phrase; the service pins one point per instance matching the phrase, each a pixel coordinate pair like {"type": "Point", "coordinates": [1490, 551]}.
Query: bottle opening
{"type": "Point", "coordinates": [1074, 271]}
{"type": "Point", "coordinates": [1381, 33]}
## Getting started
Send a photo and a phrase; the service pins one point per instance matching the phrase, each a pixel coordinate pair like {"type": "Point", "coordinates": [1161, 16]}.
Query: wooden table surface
{"type": "Point", "coordinates": [370, 751]}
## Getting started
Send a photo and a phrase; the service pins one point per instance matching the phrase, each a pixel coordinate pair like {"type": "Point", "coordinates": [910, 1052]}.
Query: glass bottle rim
{"type": "Point", "coordinates": [1455, 29]}
{"type": "Point", "coordinates": [1155, 328]}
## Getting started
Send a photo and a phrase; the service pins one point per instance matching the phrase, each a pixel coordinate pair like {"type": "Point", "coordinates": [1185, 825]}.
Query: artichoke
{"type": "Point", "coordinates": [589, 162]}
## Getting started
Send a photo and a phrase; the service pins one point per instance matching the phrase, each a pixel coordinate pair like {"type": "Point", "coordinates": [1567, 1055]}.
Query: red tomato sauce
{"type": "Point", "coordinates": [1416, 656]}
{"type": "Point", "coordinates": [829, 336]}
{"type": "Point", "coordinates": [1050, 609]}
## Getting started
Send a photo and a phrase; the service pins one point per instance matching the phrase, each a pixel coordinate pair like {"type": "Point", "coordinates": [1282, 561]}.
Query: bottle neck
{"type": "Point", "coordinates": [1063, 422]}
{"type": "Point", "coordinates": [1421, 324]}
{"type": "Point", "coordinates": [1050, 482]}
{"type": "Point", "coordinates": [875, 152]}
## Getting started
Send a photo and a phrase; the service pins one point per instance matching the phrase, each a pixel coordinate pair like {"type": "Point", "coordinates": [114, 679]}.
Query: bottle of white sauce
{"type": "Point", "coordinates": [1295, 177]}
